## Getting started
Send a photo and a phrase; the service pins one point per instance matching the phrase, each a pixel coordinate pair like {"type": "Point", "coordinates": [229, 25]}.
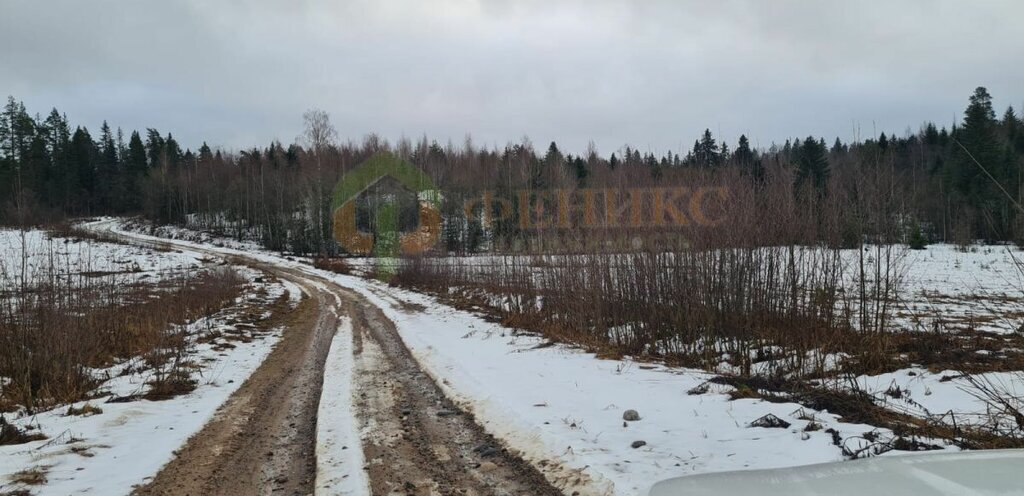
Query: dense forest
{"type": "Point", "coordinates": [954, 184]}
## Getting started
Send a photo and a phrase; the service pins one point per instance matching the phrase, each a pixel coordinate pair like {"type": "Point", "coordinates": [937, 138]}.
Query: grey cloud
{"type": "Point", "coordinates": [652, 74]}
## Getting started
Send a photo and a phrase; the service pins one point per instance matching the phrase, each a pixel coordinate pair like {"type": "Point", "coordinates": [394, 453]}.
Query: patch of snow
{"type": "Point", "coordinates": [563, 403]}
{"type": "Point", "coordinates": [560, 404]}
{"type": "Point", "coordinates": [947, 396]}
{"type": "Point", "coordinates": [126, 444]}
{"type": "Point", "coordinates": [339, 451]}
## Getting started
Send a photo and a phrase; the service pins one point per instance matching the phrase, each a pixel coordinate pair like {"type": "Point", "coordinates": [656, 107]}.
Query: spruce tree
{"type": "Point", "coordinates": [82, 183]}
{"type": "Point", "coordinates": [743, 155]}
{"type": "Point", "coordinates": [838, 148]}
{"type": "Point", "coordinates": [108, 189]}
{"type": "Point", "coordinates": [172, 150]}
{"type": "Point", "coordinates": [206, 155]}
{"type": "Point", "coordinates": [554, 156]}
{"type": "Point", "coordinates": [812, 165]}
{"type": "Point", "coordinates": [978, 167]}
{"type": "Point", "coordinates": [135, 167]}
{"type": "Point", "coordinates": [706, 150]}
{"type": "Point", "coordinates": [155, 149]}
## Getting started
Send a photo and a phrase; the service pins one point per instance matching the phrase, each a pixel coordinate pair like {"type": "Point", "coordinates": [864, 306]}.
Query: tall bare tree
{"type": "Point", "coordinates": [320, 135]}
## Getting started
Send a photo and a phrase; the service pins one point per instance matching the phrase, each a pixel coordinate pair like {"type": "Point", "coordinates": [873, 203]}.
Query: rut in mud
{"type": "Point", "coordinates": [416, 441]}
{"type": "Point", "coordinates": [262, 440]}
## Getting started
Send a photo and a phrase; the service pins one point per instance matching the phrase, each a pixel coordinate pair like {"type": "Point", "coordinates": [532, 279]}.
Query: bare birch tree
{"type": "Point", "coordinates": [320, 135]}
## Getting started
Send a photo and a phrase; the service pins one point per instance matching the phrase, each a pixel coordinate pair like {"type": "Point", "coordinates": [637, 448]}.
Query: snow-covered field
{"type": "Point", "coordinates": [76, 255]}
{"type": "Point", "coordinates": [124, 443]}
{"type": "Point", "coordinates": [562, 405]}
{"type": "Point", "coordinates": [982, 288]}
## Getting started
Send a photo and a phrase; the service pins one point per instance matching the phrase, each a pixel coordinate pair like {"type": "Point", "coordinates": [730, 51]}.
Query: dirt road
{"type": "Point", "coordinates": [415, 440]}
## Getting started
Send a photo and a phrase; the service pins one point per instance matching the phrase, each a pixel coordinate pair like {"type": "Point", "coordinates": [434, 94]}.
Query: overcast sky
{"type": "Point", "coordinates": [648, 73]}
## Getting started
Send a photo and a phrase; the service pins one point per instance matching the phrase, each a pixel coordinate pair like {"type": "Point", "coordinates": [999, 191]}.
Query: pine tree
{"type": "Point", "coordinates": [8, 137]}
{"type": "Point", "coordinates": [136, 162]}
{"type": "Point", "coordinates": [580, 167]}
{"type": "Point", "coordinates": [155, 149]}
{"type": "Point", "coordinates": [931, 135]}
{"type": "Point", "coordinates": [108, 188]}
{"type": "Point", "coordinates": [978, 169]}
{"type": "Point", "coordinates": [838, 148]}
{"type": "Point", "coordinates": [135, 167]}
{"type": "Point", "coordinates": [206, 155]}
{"type": "Point", "coordinates": [82, 182]}
{"type": "Point", "coordinates": [58, 133]}
{"type": "Point", "coordinates": [812, 165]}
{"type": "Point", "coordinates": [743, 155]}
{"type": "Point", "coordinates": [172, 150]}
{"type": "Point", "coordinates": [7, 166]}
{"type": "Point", "coordinates": [1011, 126]}
{"type": "Point", "coordinates": [122, 147]}
{"type": "Point", "coordinates": [553, 157]}
{"type": "Point", "coordinates": [37, 169]}
{"type": "Point", "coordinates": [706, 150]}
{"type": "Point", "coordinates": [917, 239]}
{"type": "Point", "coordinates": [6, 149]}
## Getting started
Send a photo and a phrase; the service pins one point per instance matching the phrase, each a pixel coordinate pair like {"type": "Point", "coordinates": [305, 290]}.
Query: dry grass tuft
{"type": "Point", "coordinates": [11, 434]}
{"type": "Point", "coordinates": [30, 477]}
{"type": "Point", "coordinates": [86, 410]}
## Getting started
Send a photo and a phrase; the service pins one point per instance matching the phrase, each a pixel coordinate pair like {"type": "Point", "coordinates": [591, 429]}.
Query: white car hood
{"type": "Point", "coordinates": [997, 472]}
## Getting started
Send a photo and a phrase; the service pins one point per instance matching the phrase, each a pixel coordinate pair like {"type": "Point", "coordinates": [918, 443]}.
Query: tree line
{"type": "Point", "coordinates": [958, 183]}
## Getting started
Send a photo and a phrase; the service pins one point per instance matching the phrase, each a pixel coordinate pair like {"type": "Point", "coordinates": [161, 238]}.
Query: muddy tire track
{"type": "Point", "coordinates": [415, 440]}
{"type": "Point", "coordinates": [263, 439]}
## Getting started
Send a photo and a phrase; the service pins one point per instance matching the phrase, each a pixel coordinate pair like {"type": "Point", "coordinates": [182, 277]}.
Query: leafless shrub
{"type": "Point", "coordinates": [336, 265]}
{"type": "Point", "coordinates": [759, 294]}
{"type": "Point", "coordinates": [1003, 403]}
{"type": "Point", "coordinates": [55, 329]}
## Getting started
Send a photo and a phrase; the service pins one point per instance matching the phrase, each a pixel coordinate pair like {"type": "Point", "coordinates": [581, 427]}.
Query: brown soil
{"type": "Point", "coordinates": [420, 442]}
{"type": "Point", "coordinates": [416, 441]}
{"type": "Point", "coordinates": [262, 440]}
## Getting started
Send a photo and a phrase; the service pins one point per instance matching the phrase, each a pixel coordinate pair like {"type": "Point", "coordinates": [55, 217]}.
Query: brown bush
{"type": "Point", "coordinates": [56, 329]}
{"type": "Point", "coordinates": [757, 292]}
{"type": "Point", "coordinates": [336, 265]}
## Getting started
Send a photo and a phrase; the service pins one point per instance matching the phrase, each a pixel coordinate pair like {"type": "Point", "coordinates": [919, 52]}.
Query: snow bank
{"type": "Point", "coordinates": [561, 403]}
{"type": "Point", "coordinates": [339, 453]}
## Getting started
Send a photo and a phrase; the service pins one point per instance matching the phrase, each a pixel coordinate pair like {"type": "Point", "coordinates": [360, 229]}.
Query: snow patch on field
{"type": "Point", "coordinates": [975, 289]}
{"type": "Point", "coordinates": [74, 255]}
{"type": "Point", "coordinates": [339, 453]}
{"type": "Point", "coordinates": [556, 401]}
{"type": "Point", "coordinates": [947, 396]}
{"type": "Point", "coordinates": [563, 405]}
{"type": "Point", "coordinates": [125, 445]}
